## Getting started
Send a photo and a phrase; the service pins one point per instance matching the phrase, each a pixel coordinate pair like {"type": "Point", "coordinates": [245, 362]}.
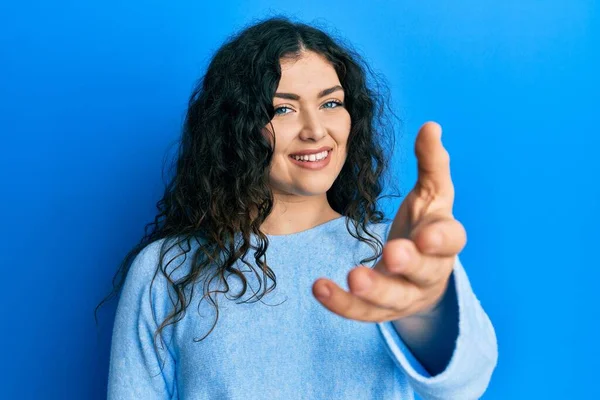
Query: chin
{"type": "Point", "coordinates": [313, 190]}
{"type": "Point", "coordinates": [308, 189]}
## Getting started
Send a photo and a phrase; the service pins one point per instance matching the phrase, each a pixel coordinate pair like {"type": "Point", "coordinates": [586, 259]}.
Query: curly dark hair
{"type": "Point", "coordinates": [220, 188]}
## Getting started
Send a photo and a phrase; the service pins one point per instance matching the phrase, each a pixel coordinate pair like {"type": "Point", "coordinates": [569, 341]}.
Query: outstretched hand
{"type": "Point", "coordinates": [419, 254]}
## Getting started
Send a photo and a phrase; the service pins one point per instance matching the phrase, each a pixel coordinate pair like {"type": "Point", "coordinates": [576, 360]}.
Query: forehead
{"type": "Point", "coordinates": [310, 73]}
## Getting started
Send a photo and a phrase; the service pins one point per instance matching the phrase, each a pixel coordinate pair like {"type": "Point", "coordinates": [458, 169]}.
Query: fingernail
{"type": "Point", "coordinates": [322, 292]}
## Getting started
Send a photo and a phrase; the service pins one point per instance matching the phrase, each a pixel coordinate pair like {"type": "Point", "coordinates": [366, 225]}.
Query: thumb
{"type": "Point", "coordinates": [433, 161]}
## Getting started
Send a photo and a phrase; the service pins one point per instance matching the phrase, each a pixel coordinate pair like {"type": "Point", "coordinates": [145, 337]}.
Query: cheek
{"type": "Point", "coordinates": [280, 134]}
{"type": "Point", "coordinates": [268, 135]}
{"type": "Point", "coordinates": [343, 126]}
{"type": "Point", "coordinates": [342, 132]}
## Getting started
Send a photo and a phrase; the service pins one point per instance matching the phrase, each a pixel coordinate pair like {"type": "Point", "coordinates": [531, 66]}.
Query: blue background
{"type": "Point", "coordinates": [93, 96]}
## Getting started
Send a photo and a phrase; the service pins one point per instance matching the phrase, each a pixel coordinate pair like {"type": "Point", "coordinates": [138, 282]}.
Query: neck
{"type": "Point", "coordinates": [292, 214]}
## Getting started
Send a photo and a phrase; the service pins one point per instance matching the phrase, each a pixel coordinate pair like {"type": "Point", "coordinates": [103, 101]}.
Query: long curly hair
{"type": "Point", "coordinates": [220, 188]}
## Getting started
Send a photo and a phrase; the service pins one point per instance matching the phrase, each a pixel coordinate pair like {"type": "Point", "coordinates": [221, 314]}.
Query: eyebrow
{"type": "Point", "coordinates": [293, 96]}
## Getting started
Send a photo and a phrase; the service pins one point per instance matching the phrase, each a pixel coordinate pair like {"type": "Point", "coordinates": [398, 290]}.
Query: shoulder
{"type": "Point", "coordinates": [146, 261]}
{"type": "Point", "coordinates": [145, 269]}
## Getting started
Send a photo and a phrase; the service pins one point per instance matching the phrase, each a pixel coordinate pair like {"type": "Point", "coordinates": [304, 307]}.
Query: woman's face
{"type": "Point", "coordinates": [306, 119]}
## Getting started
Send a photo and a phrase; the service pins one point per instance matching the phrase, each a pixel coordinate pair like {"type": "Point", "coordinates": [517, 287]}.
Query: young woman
{"type": "Point", "coordinates": [280, 167]}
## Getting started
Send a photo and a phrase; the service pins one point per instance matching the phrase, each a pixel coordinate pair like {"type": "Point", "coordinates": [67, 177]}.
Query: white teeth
{"type": "Point", "coordinates": [312, 157]}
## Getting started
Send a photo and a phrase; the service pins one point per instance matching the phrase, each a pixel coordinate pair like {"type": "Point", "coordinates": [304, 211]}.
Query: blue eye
{"type": "Point", "coordinates": [336, 102]}
{"type": "Point", "coordinates": [280, 108]}
{"type": "Point", "coordinates": [339, 103]}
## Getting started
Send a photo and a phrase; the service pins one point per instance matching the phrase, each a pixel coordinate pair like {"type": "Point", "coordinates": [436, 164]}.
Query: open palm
{"type": "Point", "coordinates": [418, 256]}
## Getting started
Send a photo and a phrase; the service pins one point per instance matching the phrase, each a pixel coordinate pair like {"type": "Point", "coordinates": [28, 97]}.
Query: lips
{"type": "Point", "coordinates": [312, 165]}
{"type": "Point", "coordinates": [311, 151]}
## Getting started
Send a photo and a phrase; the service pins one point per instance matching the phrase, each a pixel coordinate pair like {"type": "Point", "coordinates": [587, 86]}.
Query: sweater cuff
{"type": "Point", "coordinates": [473, 360]}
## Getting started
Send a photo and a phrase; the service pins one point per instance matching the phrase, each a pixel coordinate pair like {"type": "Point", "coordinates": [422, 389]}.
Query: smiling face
{"type": "Point", "coordinates": [309, 115]}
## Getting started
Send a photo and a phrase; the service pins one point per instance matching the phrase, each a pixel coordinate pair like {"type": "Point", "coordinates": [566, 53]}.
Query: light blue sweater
{"type": "Point", "coordinates": [286, 346]}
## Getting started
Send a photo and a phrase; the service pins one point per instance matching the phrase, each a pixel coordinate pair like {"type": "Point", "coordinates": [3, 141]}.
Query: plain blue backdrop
{"type": "Point", "coordinates": [93, 94]}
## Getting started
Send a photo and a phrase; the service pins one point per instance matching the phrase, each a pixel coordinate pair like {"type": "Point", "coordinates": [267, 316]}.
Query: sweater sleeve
{"type": "Point", "coordinates": [137, 370]}
{"type": "Point", "coordinates": [475, 355]}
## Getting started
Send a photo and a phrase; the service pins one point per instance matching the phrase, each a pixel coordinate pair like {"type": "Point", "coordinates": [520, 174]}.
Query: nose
{"type": "Point", "coordinates": [312, 127]}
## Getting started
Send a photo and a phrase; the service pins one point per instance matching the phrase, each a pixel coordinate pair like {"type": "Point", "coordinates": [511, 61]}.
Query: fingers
{"type": "Point", "coordinates": [401, 257]}
{"type": "Point", "coordinates": [433, 161]}
{"type": "Point", "coordinates": [440, 236]}
{"type": "Point", "coordinates": [422, 270]}
{"type": "Point", "coordinates": [403, 281]}
{"type": "Point", "coordinates": [385, 299]}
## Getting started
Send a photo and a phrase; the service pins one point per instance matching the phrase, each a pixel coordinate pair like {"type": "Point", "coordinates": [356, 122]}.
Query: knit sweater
{"type": "Point", "coordinates": [286, 345]}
